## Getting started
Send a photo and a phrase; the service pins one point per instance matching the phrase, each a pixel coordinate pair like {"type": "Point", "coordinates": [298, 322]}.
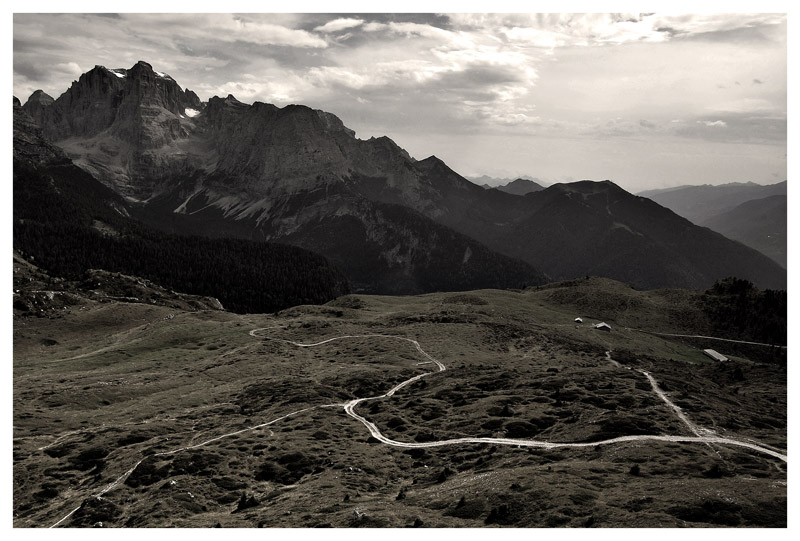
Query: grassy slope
{"type": "Point", "coordinates": [517, 365]}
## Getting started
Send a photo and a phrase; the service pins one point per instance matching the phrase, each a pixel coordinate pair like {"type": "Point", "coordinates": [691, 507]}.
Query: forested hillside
{"type": "Point", "coordinates": [68, 223]}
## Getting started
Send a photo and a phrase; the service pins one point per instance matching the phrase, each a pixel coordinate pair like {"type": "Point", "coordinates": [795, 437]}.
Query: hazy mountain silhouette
{"type": "Point", "coordinates": [758, 223]}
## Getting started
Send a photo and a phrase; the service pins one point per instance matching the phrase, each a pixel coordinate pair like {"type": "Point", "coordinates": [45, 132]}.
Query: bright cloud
{"type": "Point", "coordinates": [338, 25]}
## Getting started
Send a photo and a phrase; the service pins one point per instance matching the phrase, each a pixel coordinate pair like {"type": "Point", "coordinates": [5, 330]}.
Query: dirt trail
{"type": "Point", "coordinates": [350, 406]}
{"type": "Point", "coordinates": [707, 338]}
{"type": "Point", "coordinates": [701, 435]}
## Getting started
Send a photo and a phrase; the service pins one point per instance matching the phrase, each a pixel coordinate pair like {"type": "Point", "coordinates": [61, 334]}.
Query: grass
{"type": "Point", "coordinates": [517, 366]}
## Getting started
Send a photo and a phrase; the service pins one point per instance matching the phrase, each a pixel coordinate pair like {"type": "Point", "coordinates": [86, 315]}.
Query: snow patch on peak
{"type": "Point", "coordinates": [191, 113]}
{"type": "Point", "coordinates": [121, 73]}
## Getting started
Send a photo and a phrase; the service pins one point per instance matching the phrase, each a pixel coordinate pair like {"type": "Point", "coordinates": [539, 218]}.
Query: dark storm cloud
{"type": "Point", "coordinates": [482, 75]}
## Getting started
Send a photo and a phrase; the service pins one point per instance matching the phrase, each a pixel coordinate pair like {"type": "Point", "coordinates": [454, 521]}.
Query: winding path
{"type": "Point", "coordinates": [349, 408]}
{"type": "Point", "coordinates": [707, 338]}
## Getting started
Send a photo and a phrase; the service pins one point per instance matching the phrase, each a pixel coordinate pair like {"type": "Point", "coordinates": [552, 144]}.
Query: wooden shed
{"type": "Point", "coordinates": [715, 355]}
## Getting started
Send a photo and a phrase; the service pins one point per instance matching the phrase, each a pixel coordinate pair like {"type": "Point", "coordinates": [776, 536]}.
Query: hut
{"type": "Point", "coordinates": [715, 355]}
{"type": "Point", "coordinates": [603, 326]}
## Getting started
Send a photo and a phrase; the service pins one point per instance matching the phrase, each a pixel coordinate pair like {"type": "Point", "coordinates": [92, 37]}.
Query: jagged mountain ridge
{"type": "Point", "coordinates": [259, 171]}
{"type": "Point", "coordinates": [71, 225]}
{"type": "Point", "coordinates": [381, 248]}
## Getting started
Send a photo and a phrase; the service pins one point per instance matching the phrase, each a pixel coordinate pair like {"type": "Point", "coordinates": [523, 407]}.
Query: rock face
{"type": "Point", "coordinates": [298, 175]}
{"type": "Point", "coordinates": [292, 174]}
{"type": "Point", "coordinates": [131, 101]}
{"type": "Point", "coordinates": [118, 124]}
{"type": "Point", "coordinates": [29, 142]}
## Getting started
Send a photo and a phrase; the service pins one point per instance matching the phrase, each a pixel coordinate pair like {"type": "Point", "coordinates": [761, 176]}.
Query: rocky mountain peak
{"type": "Point", "coordinates": [36, 105]}
{"type": "Point", "coordinates": [231, 101]}
{"type": "Point", "coordinates": [333, 123]}
{"type": "Point", "coordinates": [131, 101]}
{"type": "Point", "coordinates": [587, 187]}
{"type": "Point", "coordinates": [150, 88]}
{"type": "Point", "coordinates": [41, 97]}
{"type": "Point", "coordinates": [29, 144]}
{"type": "Point", "coordinates": [434, 166]}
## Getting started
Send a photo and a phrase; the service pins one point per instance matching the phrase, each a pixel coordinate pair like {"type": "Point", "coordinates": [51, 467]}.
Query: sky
{"type": "Point", "coordinates": [645, 100]}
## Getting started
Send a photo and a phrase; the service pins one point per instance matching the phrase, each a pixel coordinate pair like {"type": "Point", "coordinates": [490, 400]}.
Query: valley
{"type": "Point", "coordinates": [422, 270]}
{"type": "Point", "coordinates": [248, 420]}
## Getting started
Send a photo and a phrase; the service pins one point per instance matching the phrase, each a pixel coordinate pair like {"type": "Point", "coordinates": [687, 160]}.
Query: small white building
{"type": "Point", "coordinates": [578, 320]}
{"type": "Point", "coordinates": [603, 326]}
{"type": "Point", "coordinates": [715, 355]}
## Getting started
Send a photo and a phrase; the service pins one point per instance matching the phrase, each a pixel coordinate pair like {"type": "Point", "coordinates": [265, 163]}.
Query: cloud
{"type": "Point", "coordinates": [70, 68]}
{"type": "Point", "coordinates": [338, 25]}
{"type": "Point", "coordinates": [433, 79]}
{"type": "Point", "coordinates": [232, 28]}
{"type": "Point", "coordinates": [742, 127]}
{"type": "Point", "coordinates": [554, 30]}
{"type": "Point", "coordinates": [412, 30]}
{"type": "Point", "coordinates": [713, 123]}
{"type": "Point", "coordinates": [748, 105]}
{"type": "Point", "coordinates": [717, 26]}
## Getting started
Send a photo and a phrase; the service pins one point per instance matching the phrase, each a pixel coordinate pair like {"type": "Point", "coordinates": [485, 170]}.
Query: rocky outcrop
{"type": "Point", "coordinates": [268, 149]}
{"type": "Point", "coordinates": [151, 108]}
{"type": "Point", "coordinates": [132, 102]}
{"type": "Point", "coordinates": [36, 105]}
{"type": "Point", "coordinates": [121, 125]}
{"type": "Point", "coordinates": [29, 143]}
{"type": "Point", "coordinates": [137, 131]}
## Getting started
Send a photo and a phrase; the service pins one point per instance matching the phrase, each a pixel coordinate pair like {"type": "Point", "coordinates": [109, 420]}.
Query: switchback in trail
{"type": "Point", "coordinates": [702, 435]}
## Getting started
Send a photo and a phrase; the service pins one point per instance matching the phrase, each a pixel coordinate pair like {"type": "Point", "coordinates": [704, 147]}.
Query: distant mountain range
{"type": "Point", "coordinates": [520, 186]}
{"type": "Point", "coordinates": [391, 223]}
{"type": "Point", "coordinates": [758, 223]}
{"type": "Point", "coordinates": [753, 214]}
{"type": "Point", "coordinates": [495, 182]}
{"type": "Point", "coordinates": [700, 203]}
